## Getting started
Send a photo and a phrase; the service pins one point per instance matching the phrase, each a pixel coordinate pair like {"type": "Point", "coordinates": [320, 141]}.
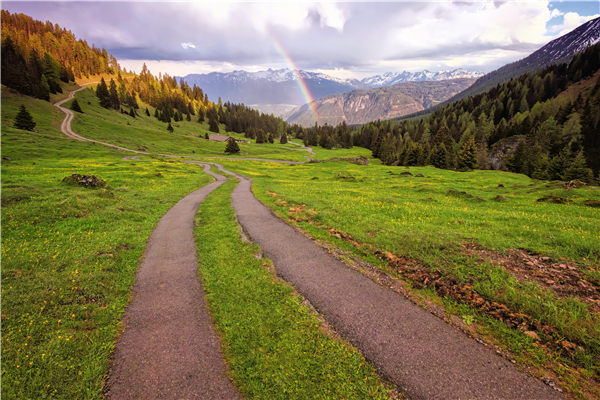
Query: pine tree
{"type": "Point", "coordinates": [467, 155]}
{"type": "Point", "coordinates": [113, 95]}
{"type": "Point", "coordinates": [131, 113]}
{"type": "Point", "coordinates": [75, 106]}
{"type": "Point", "coordinates": [147, 112]}
{"type": "Point", "coordinates": [213, 124]}
{"type": "Point", "coordinates": [271, 138]}
{"type": "Point", "coordinates": [102, 94]}
{"type": "Point", "coordinates": [439, 156]}
{"type": "Point", "coordinates": [232, 146]}
{"type": "Point", "coordinates": [170, 128]}
{"type": "Point", "coordinates": [24, 120]}
{"type": "Point", "coordinates": [579, 170]}
{"type": "Point", "coordinates": [188, 117]}
{"type": "Point", "coordinates": [206, 135]}
{"type": "Point", "coordinates": [283, 139]}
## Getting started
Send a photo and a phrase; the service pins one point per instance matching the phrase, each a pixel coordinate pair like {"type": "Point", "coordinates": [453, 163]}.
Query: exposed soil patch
{"type": "Point", "coordinates": [554, 200]}
{"type": "Point", "coordinates": [564, 278]}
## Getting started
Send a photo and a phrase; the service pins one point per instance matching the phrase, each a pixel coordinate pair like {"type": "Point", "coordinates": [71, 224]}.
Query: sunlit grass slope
{"type": "Point", "coordinates": [148, 134]}
{"type": "Point", "coordinates": [69, 254]}
{"type": "Point", "coordinates": [390, 210]}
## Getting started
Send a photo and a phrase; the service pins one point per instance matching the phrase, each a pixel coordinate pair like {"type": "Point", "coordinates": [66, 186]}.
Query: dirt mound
{"type": "Point", "coordinates": [88, 181]}
{"type": "Point", "coordinates": [554, 200]}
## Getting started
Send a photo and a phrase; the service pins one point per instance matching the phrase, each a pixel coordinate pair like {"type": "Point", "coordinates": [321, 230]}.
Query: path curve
{"type": "Point", "coordinates": [169, 348]}
{"type": "Point", "coordinates": [420, 353]}
{"type": "Point", "coordinates": [414, 349]}
{"type": "Point", "coordinates": [65, 127]}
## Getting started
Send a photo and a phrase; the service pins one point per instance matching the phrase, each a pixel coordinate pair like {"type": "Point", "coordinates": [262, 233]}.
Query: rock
{"type": "Point", "coordinates": [500, 185]}
{"type": "Point", "coordinates": [500, 198]}
{"type": "Point", "coordinates": [574, 184]}
{"type": "Point", "coordinates": [88, 181]}
{"type": "Point", "coordinates": [420, 176]}
{"type": "Point", "coordinates": [532, 335]}
{"type": "Point", "coordinates": [407, 173]}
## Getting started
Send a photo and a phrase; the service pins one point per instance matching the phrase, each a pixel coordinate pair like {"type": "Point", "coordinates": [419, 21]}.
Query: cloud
{"type": "Point", "coordinates": [188, 45]}
{"type": "Point", "coordinates": [571, 20]}
{"type": "Point", "coordinates": [330, 35]}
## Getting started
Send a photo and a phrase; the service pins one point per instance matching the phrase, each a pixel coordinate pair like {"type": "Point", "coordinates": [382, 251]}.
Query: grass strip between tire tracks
{"type": "Point", "coordinates": [274, 345]}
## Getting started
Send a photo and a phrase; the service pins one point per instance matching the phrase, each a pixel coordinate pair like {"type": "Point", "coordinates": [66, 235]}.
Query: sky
{"type": "Point", "coordinates": [344, 39]}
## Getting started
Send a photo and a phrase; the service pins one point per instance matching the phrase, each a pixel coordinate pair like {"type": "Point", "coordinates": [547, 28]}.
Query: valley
{"type": "Point", "coordinates": [353, 258]}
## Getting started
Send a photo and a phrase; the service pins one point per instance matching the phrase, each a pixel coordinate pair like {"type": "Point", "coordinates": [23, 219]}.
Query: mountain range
{"type": "Point", "coordinates": [277, 90]}
{"type": "Point", "coordinates": [361, 106]}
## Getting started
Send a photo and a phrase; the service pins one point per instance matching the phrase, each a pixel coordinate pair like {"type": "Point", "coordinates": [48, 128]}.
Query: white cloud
{"type": "Point", "coordinates": [571, 20]}
{"type": "Point", "coordinates": [188, 45]}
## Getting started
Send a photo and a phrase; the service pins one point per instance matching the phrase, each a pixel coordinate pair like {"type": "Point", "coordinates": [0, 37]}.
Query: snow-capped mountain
{"type": "Point", "coordinates": [391, 78]}
{"type": "Point", "coordinates": [558, 50]}
{"type": "Point", "coordinates": [280, 86]}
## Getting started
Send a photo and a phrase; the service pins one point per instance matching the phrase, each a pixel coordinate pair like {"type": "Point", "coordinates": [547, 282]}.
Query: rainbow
{"type": "Point", "coordinates": [301, 83]}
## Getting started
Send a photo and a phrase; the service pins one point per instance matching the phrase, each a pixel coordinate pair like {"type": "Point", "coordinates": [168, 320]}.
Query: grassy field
{"type": "Point", "coordinates": [450, 233]}
{"type": "Point", "coordinates": [148, 134]}
{"type": "Point", "coordinates": [69, 254]}
{"type": "Point", "coordinates": [274, 345]}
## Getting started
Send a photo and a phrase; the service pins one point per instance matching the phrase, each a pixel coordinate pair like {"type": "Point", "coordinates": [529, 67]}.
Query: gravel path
{"type": "Point", "coordinates": [169, 349]}
{"type": "Point", "coordinates": [417, 351]}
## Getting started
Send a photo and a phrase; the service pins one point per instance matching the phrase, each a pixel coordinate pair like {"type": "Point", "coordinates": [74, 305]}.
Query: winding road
{"type": "Point", "coordinates": [424, 356]}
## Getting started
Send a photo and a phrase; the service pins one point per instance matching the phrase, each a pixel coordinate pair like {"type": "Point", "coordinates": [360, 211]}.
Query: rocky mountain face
{"type": "Point", "coordinates": [557, 51]}
{"type": "Point", "coordinates": [388, 102]}
{"type": "Point", "coordinates": [277, 90]}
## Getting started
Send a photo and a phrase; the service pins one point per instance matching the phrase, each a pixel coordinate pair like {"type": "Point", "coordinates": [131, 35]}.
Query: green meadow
{"type": "Point", "coordinates": [69, 255]}
{"type": "Point", "coordinates": [432, 221]}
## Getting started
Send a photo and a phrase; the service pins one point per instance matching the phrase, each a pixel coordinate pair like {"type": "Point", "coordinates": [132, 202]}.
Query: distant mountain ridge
{"type": "Point", "coordinates": [559, 50]}
{"type": "Point", "coordinates": [360, 106]}
{"type": "Point", "coordinates": [280, 87]}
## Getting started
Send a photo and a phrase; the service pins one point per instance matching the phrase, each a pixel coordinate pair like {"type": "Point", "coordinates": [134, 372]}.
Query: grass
{"type": "Point", "coordinates": [69, 254]}
{"type": "Point", "coordinates": [148, 134]}
{"type": "Point", "coordinates": [428, 218]}
{"type": "Point", "coordinates": [273, 344]}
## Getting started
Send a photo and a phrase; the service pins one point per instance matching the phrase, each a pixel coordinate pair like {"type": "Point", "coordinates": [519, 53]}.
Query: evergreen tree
{"type": "Point", "coordinates": [579, 170]}
{"type": "Point", "coordinates": [103, 95]}
{"type": "Point", "coordinates": [232, 146]}
{"type": "Point", "coordinates": [213, 123]}
{"type": "Point", "coordinates": [147, 112]}
{"type": "Point", "coordinates": [131, 113]}
{"type": "Point", "coordinates": [113, 95]}
{"type": "Point", "coordinates": [75, 106]}
{"type": "Point", "coordinates": [200, 115]}
{"type": "Point", "coordinates": [188, 117]}
{"type": "Point", "coordinates": [467, 155]}
{"type": "Point", "coordinates": [283, 139]}
{"type": "Point", "coordinates": [170, 128]}
{"type": "Point", "coordinates": [24, 120]}
{"type": "Point", "coordinates": [206, 135]}
{"type": "Point", "coordinates": [439, 156]}
{"type": "Point", "coordinates": [271, 138]}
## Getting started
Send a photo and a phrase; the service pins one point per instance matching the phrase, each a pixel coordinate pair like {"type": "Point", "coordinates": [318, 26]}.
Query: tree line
{"type": "Point", "coordinates": [37, 56]}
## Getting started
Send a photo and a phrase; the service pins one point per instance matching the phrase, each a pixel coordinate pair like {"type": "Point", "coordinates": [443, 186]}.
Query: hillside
{"type": "Point", "coordinates": [361, 106]}
{"type": "Point", "coordinates": [543, 124]}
